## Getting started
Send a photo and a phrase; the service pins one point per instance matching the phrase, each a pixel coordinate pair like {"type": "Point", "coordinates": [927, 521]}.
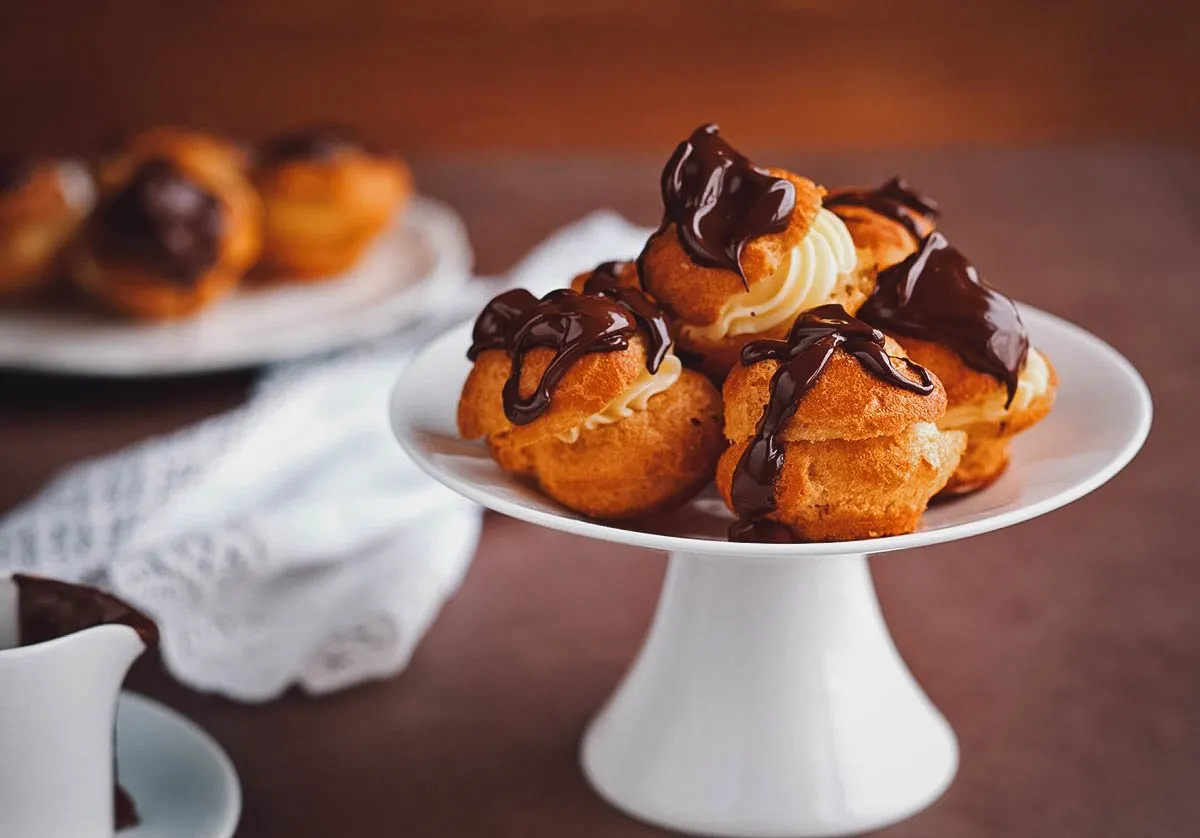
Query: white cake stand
{"type": "Point", "coordinates": [769, 698]}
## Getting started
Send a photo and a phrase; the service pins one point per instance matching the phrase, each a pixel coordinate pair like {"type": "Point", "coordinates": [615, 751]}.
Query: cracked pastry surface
{"type": "Point", "coordinates": [582, 393]}
{"type": "Point", "coordinates": [327, 198]}
{"type": "Point", "coordinates": [742, 250]}
{"type": "Point", "coordinates": [833, 435]}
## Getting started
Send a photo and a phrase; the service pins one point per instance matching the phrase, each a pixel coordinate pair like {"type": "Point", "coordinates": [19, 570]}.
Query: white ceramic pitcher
{"type": "Point", "coordinates": [58, 704]}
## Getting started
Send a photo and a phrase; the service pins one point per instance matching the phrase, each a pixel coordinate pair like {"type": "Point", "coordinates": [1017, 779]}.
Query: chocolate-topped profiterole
{"type": "Point", "coordinates": [582, 391]}
{"type": "Point", "coordinates": [803, 357]}
{"type": "Point", "coordinates": [161, 219]}
{"type": "Point", "coordinates": [719, 200]}
{"type": "Point", "coordinates": [48, 609]}
{"type": "Point", "coordinates": [895, 199]}
{"type": "Point", "coordinates": [571, 324]}
{"type": "Point", "coordinates": [937, 295]}
{"type": "Point", "coordinates": [320, 143]}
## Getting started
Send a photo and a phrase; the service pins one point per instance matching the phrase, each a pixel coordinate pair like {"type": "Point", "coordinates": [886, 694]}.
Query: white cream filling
{"type": "Point", "coordinates": [633, 398]}
{"type": "Point", "coordinates": [1032, 384]}
{"type": "Point", "coordinates": [806, 278]}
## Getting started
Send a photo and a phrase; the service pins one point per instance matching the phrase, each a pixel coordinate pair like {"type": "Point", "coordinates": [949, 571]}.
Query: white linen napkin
{"type": "Point", "coordinates": [290, 541]}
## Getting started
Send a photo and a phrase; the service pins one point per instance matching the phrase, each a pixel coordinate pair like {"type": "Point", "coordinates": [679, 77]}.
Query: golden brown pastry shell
{"type": "Point", "coordinates": [650, 462]}
{"type": "Point", "coordinates": [846, 402]}
{"type": "Point", "coordinates": [321, 215]}
{"type": "Point", "coordinates": [841, 490]}
{"type": "Point", "coordinates": [36, 222]}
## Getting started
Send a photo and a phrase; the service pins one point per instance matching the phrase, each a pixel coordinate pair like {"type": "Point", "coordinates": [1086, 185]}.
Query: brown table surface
{"type": "Point", "coordinates": [1065, 651]}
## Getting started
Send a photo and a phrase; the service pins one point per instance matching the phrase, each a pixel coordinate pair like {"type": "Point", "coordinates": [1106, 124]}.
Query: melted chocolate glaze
{"type": "Point", "coordinates": [937, 295]}
{"type": "Point", "coordinates": [719, 200]}
{"type": "Point", "coordinates": [816, 335]}
{"type": "Point", "coordinates": [321, 143]}
{"type": "Point", "coordinates": [571, 324]}
{"type": "Point", "coordinates": [48, 609]}
{"type": "Point", "coordinates": [15, 171]}
{"type": "Point", "coordinates": [895, 200]}
{"type": "Point", "coordinates": [604, 281]}
{"type": "Point", "coordinates": [161, 219]}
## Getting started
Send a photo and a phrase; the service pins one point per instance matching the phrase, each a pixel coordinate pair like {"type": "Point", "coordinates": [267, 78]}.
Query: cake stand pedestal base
{"type": "Point", "coordinates": [769, 700]}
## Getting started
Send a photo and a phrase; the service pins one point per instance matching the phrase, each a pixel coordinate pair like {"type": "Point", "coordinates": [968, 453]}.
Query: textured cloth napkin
{"type": "Point", "coordinates": [289, 541]}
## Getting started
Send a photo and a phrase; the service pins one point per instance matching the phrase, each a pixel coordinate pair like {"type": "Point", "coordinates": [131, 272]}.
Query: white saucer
{"type": "Point", "coordinates": [1100, 419]}
{"type": "Point", "coordinates": [419, 264]}
{"type": "Point", "coordinates": [183, 784]}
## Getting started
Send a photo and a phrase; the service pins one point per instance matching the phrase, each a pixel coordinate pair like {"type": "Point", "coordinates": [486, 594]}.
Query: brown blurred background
{"type": "Point", "coordinates": [629, 75]}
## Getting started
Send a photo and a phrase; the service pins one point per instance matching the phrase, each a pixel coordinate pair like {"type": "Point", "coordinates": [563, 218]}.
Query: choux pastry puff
{"type": "Point", "coordinates": [42, 203]}
{"type": "Point", "coordinates": [833, 435]}
{"type": "Point", "coordinates": [327, 198]}
{"type": "Point", "coordinates": [936, 305]}
{"type": "Point", "coordinates": [583, 393]}
{"type": "Point", "coordinates": [742, 251]}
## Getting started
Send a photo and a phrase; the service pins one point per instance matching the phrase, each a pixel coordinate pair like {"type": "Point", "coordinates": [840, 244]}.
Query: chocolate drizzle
{"type": "Point", "coordinates": [816, 335]}
{"type": "Point", "coordinates": [937, 295]}
{"type": "Point", "coordinates": [719, 200]}
{"type": "Point", "coordinates": [48, 609]}
{"type": "Point", "coordinates": [604, 280]}
{"type": "Point", "coordinates": [895, 200]}
{"type": "Point", "coordinates": [321, 143]}
{"type": "Point", "coordinates": [603, 319]}
{"type": "Point", "coordinates": [162, 219]}
{"type": "Point", "coordinates": [15, 171]}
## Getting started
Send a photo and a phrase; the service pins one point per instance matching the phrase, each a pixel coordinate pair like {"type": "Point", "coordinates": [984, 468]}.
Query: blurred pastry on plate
{"type": "Point", "coordinates": [887, 222]}
{"type": "Point", "coordinates": [833, 435]}
{"type": "Point", "coordinates": [327, 198]}
{"type": "Point", "coordinates": [173, 237]}
{"type": "Point", "coordinates": [742, 250]}
{"type": "Point", "coordinates": [42, 203]}
{"type": "Point", "coordinates": [583, 393]}
{"type": "Point", "coordinates": [219, 157]}
{"type": "Point", "coordinates": [971, 336]}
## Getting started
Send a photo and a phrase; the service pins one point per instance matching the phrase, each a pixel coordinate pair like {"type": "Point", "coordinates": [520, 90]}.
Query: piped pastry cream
{"type": "Point", "coordinates": [581, 392]}
{"type": "Point", "coordinates": [633, 398]}
{"type": "Point", "coordinates": [990, 408]}
{"type": "Point", "coordinates": [806, 278]}
{"type": "Point", "coordinates": [742, 251]}
{"type": "Point", "coordinates": [937, 306]}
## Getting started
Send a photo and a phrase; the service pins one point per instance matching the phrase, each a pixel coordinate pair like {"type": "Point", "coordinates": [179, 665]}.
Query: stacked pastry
{"type": "Point", "coordinates": [866, 366]}
{"type": "Point", "coordinates": [183, 216]}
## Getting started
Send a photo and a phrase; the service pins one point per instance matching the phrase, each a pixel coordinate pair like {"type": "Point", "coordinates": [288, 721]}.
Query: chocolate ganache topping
{"type": "Point", "coordinates": [719, 200]}
{"type": "Point", "coordinates": [937, 295]}
{"type": "Point", "coordinates": [604, 281]}
{"type": "Point", "coordinates": [163, 219]}
{"type": "Point", "coordinates": [816, 335]}
{"type": "Point", "coordinates": [895, 200]}
{"type": "Point", "coordinates": [571, 324]}
{"type": "Point", "coordinates": [321, 143]}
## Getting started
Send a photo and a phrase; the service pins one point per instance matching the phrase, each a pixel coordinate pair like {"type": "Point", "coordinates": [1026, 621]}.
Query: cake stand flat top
{"type": "Point", "coordinates": [1100, 420]}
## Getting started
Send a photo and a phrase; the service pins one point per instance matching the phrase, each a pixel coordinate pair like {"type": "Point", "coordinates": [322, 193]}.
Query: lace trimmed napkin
{"type": "Point", "coordinates": [289, 541]}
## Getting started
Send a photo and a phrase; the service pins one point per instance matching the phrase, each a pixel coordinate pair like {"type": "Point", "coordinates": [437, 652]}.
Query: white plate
{"type": "Point", "coordinates": [416, 265]}
{"type": "Point", "coordinates": [1099, 422]}
{"type": "Point", "coordinates": [183, 784]}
